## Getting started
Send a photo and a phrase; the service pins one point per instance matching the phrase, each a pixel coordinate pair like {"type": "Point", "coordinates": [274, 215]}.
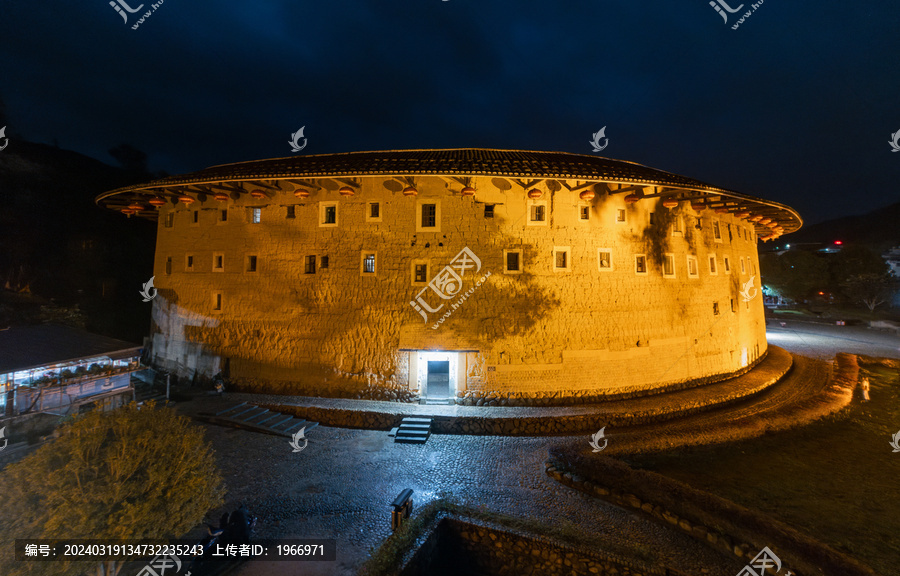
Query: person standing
{"type": "Point", "coordinates": [865, 389]}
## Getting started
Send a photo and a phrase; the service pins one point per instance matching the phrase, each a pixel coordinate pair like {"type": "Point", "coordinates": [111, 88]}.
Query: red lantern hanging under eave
{"type": "Point", "coordinates": [128, 211]}
{"type": "Point", "coordinates": [346, 191]}
{"type": "Point", "coordinates": [136, 207]}
{"type": "Point", "coordinates": [221, 196]}
{"type": "Point", "coordinates": [410, 191]}
{"type": "Point", "coordinates": [468, 191]}
{"type": "Point", "coordinates": [587, 195]}
{"type": "Point", "coordinates": [301, 193]}
{"type": "Point", "coordinates": [534, 193]}
{"type": "Point", "coordinates": [765, 221]}
{"type": "Point", "coordinates": [698, 207]}
{"type": "Point", "coordinates": [742, 214]}
{"type": "Point", "coordinates": [258, 194]}
{"type": "Point", "coordinates": [756, 218]}
{"type": "Point", "coordinates": [632, 198]}
{"type": "Point", "coordinates": [721, 210]}
{"type": "Point", "coordinates": [670, 203]}
{"type": "Point", "coordinates": [186, 199]}
{"type": "Point", "coordinates": [157, 201]}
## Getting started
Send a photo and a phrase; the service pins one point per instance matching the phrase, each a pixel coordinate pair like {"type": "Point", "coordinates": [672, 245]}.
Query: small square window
{"type": "Point", "coordinates": [328, 214]}
{"type": "Point", "coordinates": [733, 309]}
{"type": "Point", "coordinates": [323, 262]}
{"type": "Point", "coordinates": [693, 269]}
{"type": "Point", "coordinates": [678, 225]}
{"type": "Point", "coordinates": [669, 265]}
{"type": "Point", "coordinates": [421, 273]}
{"type": "Point", "coordinates": [223, 215]}
{"type": "Point", "coordinates": [512, 261]}
{"type": "Point", "coordinates": [712, 265]}
{"type": "Point", "coordinates": [217, 301]}
{"type": "Point", "coordinates": [310, 265]}
{"type": "Point", "coordinates": [652, 218]}
{"type": "Point", "coordinates": [218, 262]}
{"type": "Point", "coordinates": [429, 215]}
{"type": "Point", "coordinates": [620, 215]}
{"type": "Point", "coordinates": [373, 212]}
{"type": "Point", "coordinates": [743, 269]}
{"type": "Point", "coordinates": [560, 259]}
{"type": "Point", "coordinates": [538, 213]}
{"type": "Point", "coordinates": [169, 265]}
{"type": "Point", "coordinates": [170, 219]}
{"type": "Point", "coordinates": [584, 212]}
{"type": "Point", "coordinates": [640, 264]}
{"type": "Point", "coordinates": [368, 263]}
{"type": "Point", "coordinates": [730, 236]}
{"type": "Point", "coordinates": [255, 215]}
{"type": "Point", "coordinates": [189, 263]}
{"type": "Point", "coordinates": [195, 217]}
{"type": "Point", "coordinates": [717, 232]}
{"type": "Point", "coordinates": [291, 212]}
{"type": "Point", "coordinates": [251, 263]}
{"type": "Point", "coordinates": [604, 259]}
{"type": "Point", "coordinates": [715, 308]}
{"type": "Point", "coordinates": [488, 210]}
{"type": "Point", "coordinates": [726, 262]}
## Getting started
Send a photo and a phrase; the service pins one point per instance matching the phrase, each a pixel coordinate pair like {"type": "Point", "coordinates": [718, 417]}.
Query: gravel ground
{"type": "Point", "coordinates": [341, 485]}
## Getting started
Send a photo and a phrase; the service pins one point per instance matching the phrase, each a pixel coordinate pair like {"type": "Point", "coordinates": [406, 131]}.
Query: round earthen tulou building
{"type": "Point", "coordinates": [465, 274]}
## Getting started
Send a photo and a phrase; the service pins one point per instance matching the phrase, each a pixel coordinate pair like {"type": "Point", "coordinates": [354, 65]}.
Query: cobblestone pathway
{"type": "Point", "coordinates": [341, 484]}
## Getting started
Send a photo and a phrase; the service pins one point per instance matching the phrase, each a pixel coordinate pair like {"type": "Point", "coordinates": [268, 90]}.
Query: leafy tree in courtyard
{"type": "Point", "coordinates": [795, 273]}
{"type": "Point", "coordinates": [854, 260]}
{"type": "Point", "coordinates": [870, 289]}
{"type": "Point", "coordinates": [127, 474]}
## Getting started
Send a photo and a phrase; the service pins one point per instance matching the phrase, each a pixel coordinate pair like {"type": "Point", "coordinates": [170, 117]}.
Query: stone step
{"type": "Point", "coordinates": [410, 440]}
{"type": "Point", "coordinates": [408, 426]}
{"type": "Point", "coordinates": [416, 420]}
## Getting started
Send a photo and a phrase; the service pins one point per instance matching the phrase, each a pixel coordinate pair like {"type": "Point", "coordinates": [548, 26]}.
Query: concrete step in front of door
{"type": "Point", "coordinates": [413, 431]}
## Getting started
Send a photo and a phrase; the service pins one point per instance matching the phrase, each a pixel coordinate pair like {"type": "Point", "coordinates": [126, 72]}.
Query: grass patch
{"type": "Point", "coordinates": [386, 559]}
{"type": "Point", "coordinates": [834, 479]}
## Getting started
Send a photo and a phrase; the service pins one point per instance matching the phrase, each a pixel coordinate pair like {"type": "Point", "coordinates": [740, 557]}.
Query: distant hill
{"type": "Point", "coordinates": [56, 241]}
{"type": "Point", "coordinates": [879, 228]}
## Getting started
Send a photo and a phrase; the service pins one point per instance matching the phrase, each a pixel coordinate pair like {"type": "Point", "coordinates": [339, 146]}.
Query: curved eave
{"type": "Point", "coordinates": [466, 162]}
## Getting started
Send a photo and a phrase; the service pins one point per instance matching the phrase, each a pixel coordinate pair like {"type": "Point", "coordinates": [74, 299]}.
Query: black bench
{"type": "Point", "coordinates": [402, 508]}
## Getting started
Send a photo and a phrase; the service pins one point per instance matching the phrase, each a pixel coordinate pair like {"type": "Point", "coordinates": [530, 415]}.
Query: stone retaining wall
{"type": "Point", "coordinates": [716, 521]}
{"type": "Point", "coordinates": [465, 545]}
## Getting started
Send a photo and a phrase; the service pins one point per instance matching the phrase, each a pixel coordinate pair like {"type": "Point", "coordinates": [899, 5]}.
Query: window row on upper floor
{"type": "Point", "coordinates": [428, 218]}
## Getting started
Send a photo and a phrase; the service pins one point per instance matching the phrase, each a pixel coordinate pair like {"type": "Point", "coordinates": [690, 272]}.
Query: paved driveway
{"type": "Point", "coordinates": [823, 341]}
{"type": "Point", "coordinates": [341, 484]}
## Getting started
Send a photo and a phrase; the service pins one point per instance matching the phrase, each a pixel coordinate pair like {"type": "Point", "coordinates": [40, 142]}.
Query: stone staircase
{"type": "Point", "coordinates": [413, 430]}
{"type": "Point", "coordinates": [258, 419]}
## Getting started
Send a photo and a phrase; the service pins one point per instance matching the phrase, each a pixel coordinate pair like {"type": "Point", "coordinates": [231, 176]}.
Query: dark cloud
{"type": "Point", "coordinates": [796, 105]}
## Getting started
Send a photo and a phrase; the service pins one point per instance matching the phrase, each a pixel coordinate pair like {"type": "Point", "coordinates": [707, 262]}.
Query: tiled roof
{"type": "Point", "coordinates": [451, 162]}
{"type": "Point", "coordinates": [26, 347]}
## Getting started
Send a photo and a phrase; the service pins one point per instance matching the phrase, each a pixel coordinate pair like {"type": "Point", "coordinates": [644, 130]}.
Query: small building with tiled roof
{"type": "Point", "coordinates": [53, 368]}
{"type": "Point", "coordinates": [469, 274]}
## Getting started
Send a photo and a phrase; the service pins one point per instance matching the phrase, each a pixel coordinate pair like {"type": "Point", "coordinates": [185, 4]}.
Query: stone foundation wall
{"type": "Point", "coordinates": [543, 331]}
{"type": "Point", "coordinates": [461, 545]}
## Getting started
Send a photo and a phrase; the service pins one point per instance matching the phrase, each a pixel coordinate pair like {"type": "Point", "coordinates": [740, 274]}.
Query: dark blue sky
{"type": "Point", "coordinates": [796, 105]}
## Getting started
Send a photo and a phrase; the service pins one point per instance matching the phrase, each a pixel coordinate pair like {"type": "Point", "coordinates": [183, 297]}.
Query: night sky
{"type": "Point", "coordinates": [796, 105]}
